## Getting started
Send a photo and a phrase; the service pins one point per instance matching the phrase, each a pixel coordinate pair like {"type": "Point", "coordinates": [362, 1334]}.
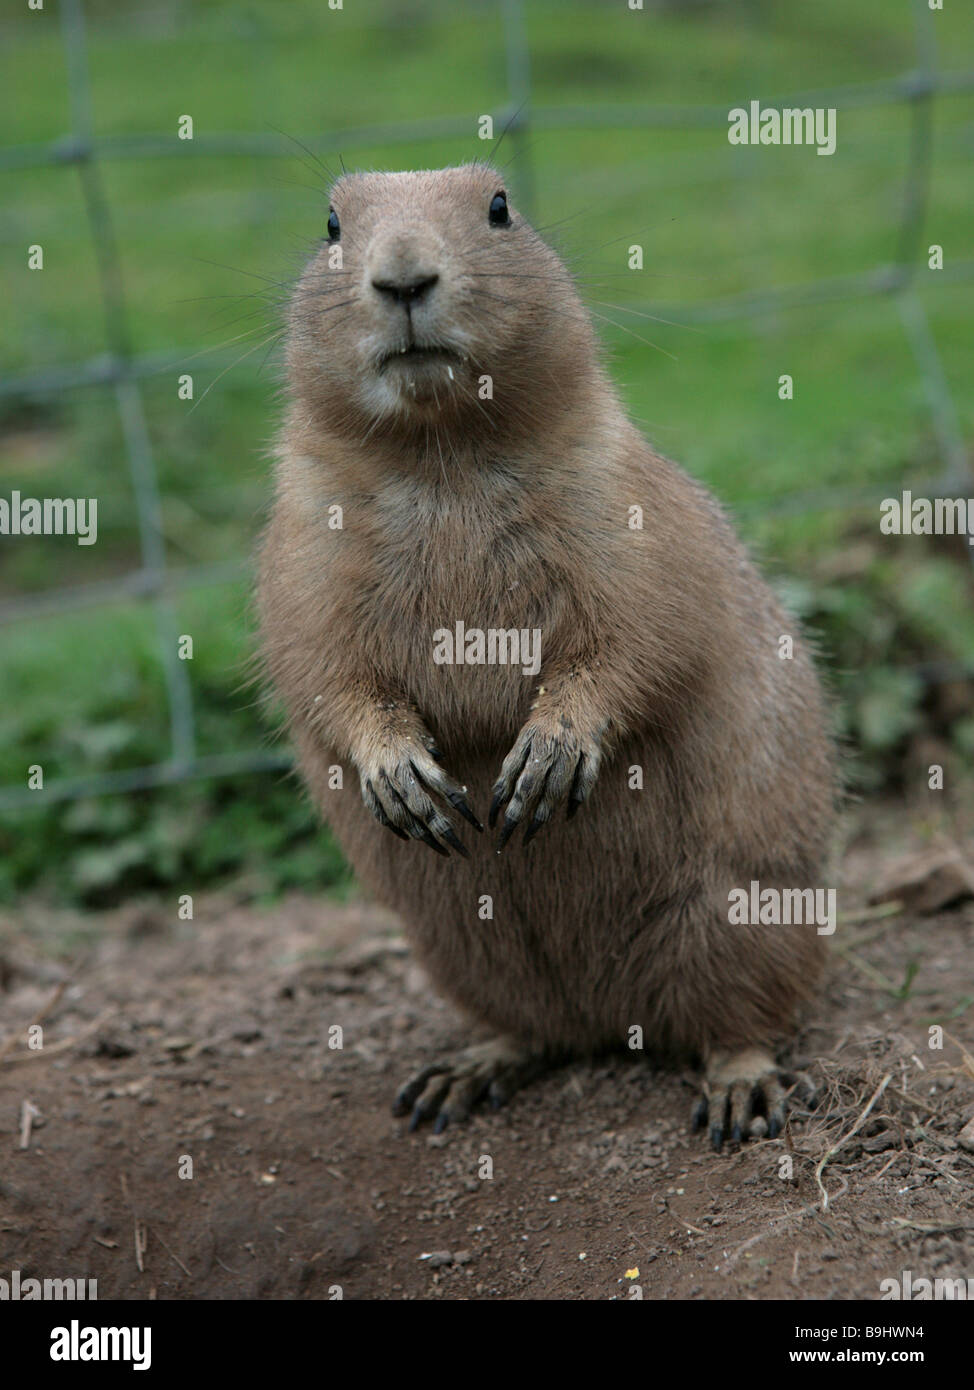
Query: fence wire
{"type": "Point", "coordinates": [155, 584]}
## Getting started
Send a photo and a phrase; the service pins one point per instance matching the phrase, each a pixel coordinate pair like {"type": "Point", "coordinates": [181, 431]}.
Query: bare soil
{"type": "Point", "coordinates": [169, 1041]}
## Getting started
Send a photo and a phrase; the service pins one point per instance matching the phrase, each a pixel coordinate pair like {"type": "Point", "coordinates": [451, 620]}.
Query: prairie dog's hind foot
{"type": "Point", "coordinates": [447, 1091]}
{"type": "Point", "coordinates": [746, 1095]}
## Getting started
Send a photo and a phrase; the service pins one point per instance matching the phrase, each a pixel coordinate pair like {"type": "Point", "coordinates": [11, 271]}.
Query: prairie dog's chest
{"type": "Point", "coordinates": [461, 614]}
{"type": "Point", "coordinates": [457, 559]}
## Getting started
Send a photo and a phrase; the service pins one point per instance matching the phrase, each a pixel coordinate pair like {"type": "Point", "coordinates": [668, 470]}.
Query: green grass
{"type": "Point", "coordinates": [206, 242]}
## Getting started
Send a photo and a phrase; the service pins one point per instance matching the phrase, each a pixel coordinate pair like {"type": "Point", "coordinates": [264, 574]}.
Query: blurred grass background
{"type": "Point", "coordinates": [209, 243]}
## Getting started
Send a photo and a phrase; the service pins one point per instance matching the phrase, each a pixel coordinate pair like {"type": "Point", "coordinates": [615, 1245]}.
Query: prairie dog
{"type": "Point", "coordinates": [454, 452]}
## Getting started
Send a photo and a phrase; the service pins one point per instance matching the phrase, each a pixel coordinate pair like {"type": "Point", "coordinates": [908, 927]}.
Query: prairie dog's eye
{"type": "Point", "coordinates": [498, 215]}
{"type": "Point", "coordinates": [334, 227]}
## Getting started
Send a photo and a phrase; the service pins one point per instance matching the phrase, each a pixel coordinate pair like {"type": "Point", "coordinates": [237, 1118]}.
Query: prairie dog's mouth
{"type": "Point", "coordinates": [418, 354]}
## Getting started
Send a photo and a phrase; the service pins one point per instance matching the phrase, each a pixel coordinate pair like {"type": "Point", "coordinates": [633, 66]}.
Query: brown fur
{"type": "Point", "coordinates": [659, 646]}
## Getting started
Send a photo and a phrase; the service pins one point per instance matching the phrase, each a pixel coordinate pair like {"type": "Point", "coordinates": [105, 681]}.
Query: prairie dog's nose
{"type": "Point", "coordinates": [405, 289]}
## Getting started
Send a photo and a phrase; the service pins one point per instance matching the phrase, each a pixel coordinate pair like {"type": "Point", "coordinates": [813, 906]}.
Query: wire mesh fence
{"type": "Point", "coordinates": [155, 582]}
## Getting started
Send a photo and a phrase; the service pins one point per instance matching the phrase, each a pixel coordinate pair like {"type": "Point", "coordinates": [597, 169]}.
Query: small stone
{"type": "Point", "coordinates": [245, 1030]}
{"type": "Point", "coordinates": [928, 881]}
{"type": "Point", "coordinates": [880, 1142]}
{"type": "Point", "coordinates": [112, 1044]}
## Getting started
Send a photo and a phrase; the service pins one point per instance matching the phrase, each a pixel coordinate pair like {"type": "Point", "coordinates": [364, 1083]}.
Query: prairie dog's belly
{"type": "Point", "coordinates": [531, 942]}
{"type": "Point", "coordinates": [614, 919]}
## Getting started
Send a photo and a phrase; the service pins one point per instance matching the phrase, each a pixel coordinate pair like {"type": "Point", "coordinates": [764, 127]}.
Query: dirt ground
{"type": "Point", "coordinates": [166, 1041]}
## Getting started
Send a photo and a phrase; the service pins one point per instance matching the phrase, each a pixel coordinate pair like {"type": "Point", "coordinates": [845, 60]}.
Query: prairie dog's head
{"type": "Point", "coordinates": [432, 303]}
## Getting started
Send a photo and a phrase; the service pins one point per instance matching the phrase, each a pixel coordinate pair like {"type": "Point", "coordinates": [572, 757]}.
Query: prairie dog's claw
{"type": "Point", "coordinates": [397, 783]}
{"type": "Point", "coordinates": [547, 765]}
{"type": "Point", "coordinates": [746, 1096]}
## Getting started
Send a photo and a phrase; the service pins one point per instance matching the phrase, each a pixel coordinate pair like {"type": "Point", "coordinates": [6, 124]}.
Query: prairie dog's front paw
{"type": "Point", "coordinates": [551, 761]}
{"type": "Point", "coordinates": [397, 774]}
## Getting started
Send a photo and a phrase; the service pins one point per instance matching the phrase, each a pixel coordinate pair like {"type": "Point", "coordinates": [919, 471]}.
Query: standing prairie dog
{"type": "Point", "coordinates": [454, 453]}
